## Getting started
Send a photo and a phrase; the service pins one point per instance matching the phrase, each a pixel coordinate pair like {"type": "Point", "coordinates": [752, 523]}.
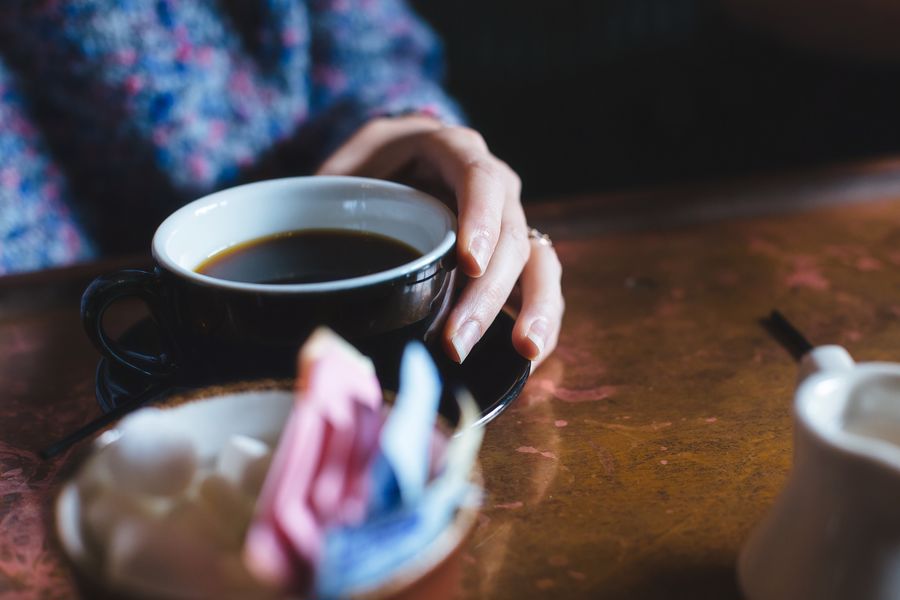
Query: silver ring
{"type": "Point", "coordinates": [541, 238]}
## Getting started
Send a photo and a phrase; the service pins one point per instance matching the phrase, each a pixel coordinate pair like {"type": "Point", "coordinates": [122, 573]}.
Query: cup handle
{"type": "Point", "coordinates": [102, 293]}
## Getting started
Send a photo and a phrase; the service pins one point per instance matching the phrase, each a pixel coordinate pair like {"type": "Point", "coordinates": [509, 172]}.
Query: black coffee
{"type": "Point", "coordinates": [308, 256]}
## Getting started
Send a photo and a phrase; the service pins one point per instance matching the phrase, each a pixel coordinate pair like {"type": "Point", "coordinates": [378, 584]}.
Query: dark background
{"type": "Point", "coordinates": [590, 95]}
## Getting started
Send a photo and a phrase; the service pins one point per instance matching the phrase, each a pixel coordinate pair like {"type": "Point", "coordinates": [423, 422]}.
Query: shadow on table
{"type": "Point", "coordinates": [679, 582]}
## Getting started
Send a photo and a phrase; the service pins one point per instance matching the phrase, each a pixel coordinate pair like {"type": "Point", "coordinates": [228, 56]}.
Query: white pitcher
{"type": "Point", "coordinates": [834, 532]}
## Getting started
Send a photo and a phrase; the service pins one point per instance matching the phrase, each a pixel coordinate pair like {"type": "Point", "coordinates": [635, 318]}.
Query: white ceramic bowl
{"type": "Point", "coordinates": [260, 414]}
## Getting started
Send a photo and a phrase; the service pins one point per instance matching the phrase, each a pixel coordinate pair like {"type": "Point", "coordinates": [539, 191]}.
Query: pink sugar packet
{"type": "Point", "coordinates": [320, 471]}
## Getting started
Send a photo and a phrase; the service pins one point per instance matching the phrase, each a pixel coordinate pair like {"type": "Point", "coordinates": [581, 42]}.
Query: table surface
{"type": "Point", "coordinates": [640, 455]}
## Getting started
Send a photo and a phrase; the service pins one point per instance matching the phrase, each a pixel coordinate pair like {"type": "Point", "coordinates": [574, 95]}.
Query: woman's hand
{"type": "Point", "coordinates": [494, 246]}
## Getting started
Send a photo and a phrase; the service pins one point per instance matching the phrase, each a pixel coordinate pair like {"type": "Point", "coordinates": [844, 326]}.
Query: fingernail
{"type": "Point", "coordinates": [537, 333]}
{"type": "Point", "coordinates": [480, 249]}
{"type": "Point", "coordinates": [464, 338]}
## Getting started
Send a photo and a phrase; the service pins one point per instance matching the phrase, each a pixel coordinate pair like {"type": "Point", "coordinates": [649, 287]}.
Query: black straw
{"type": "Point", "coordinates": [100, 422]}
{"type": "Point", "coordinates": [787, 335]}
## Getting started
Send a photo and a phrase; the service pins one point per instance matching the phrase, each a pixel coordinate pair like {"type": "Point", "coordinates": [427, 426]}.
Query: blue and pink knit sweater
{"type": "Point", "coordinates": [112, 113]}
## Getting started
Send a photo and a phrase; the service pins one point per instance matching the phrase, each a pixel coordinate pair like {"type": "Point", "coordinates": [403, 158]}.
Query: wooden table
{"type": "Point", "coordinates": [640, 455]}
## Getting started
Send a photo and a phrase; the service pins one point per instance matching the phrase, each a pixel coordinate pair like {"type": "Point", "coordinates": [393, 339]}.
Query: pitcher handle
{"type": "Point", "coordinates": [830, 358]}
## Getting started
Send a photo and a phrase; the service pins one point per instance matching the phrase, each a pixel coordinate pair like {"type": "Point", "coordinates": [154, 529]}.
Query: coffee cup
{"type": "Point", "coordinates": [213, 325]}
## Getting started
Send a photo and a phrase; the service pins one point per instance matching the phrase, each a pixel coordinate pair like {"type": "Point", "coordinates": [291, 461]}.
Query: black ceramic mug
{"type": "Point", "coordinates": [221, 327]}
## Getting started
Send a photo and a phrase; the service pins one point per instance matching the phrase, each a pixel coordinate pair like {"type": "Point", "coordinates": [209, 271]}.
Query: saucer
{"type": "Point", "coordinates": [494, 373]}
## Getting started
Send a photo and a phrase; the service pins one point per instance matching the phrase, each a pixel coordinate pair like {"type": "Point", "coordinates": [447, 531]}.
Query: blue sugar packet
{"type": "Point", "coordinates": [360, 558]}
{"type": "Point", "coordinates": [400, 472]}
{"type": "Point", "coordinates": [363, 557]}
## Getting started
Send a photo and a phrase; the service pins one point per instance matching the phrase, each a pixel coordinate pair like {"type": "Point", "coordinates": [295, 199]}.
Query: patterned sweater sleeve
{"type": "Point", "coordinates": [369, 59]}
{"type": "Point", "coordinates": [37, 228]}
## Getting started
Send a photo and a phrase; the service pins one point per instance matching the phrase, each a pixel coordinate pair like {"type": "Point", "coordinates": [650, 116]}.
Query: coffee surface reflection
{"type": "Point", "coordinates": [308, 256]}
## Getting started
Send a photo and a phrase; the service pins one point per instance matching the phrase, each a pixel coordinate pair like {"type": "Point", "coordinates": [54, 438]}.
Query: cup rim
{"type": "Point", "coordinates": [165, 230]}
{"type": "Point", "coordinates": [825, 421]}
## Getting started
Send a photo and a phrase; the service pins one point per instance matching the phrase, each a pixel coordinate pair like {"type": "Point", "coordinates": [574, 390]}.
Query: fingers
{"type": "Point", "coordinates": [480, 181]}
{"type": "Point", "coordinates": [484, 297]}
{"type": "Point", "coordinates": [482, 184]}
{"type": "Point", "coordinates": [374, 151]}
{"type": "Point", "coordinates": [537, 327]}
{"type": "Point", "coordinates": [492, 237]}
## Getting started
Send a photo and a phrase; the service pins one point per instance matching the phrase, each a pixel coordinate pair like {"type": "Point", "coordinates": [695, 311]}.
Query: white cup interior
{"type": "Point", "coordinates": [873, 408]}
{"type": "Point", "coordinates": [856, 410]}
{"type": "Point", "coordinates": [237, 215]}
